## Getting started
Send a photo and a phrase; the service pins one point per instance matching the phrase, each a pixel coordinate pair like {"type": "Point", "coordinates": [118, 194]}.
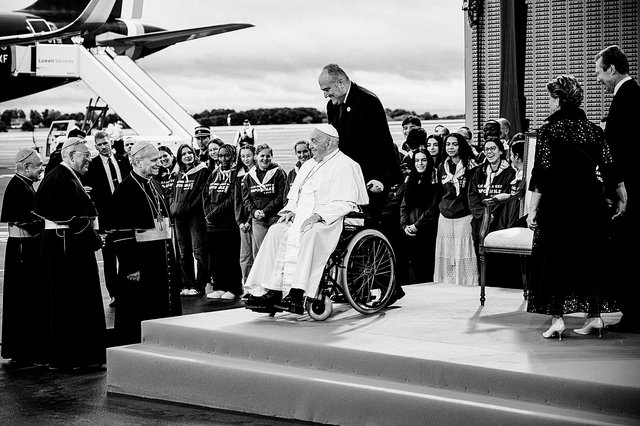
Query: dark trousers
{"type": "Point", "coordinates": [390, 227]}
{"type": "Point", "coordinates": [190, 234]}
{"type": "Point", "coordinates": [223, 247]}
{"type": "Point", "coordinates": [421, 252]}
{"type": "Point", "coordinates": [623, 252]}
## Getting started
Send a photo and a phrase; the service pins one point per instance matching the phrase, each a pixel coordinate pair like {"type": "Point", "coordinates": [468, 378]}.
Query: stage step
{"type": "Point", "coordinates": [353, 369]}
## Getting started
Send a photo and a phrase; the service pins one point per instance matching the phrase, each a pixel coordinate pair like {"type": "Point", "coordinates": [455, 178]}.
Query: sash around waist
{"type": "Point", "coordinates": [152, 235]}
{"type": "Point", "coordinates": [49, 224]}
{"type": "Point", "coordinates": [161, 231]}
{"type": "Point", "coordinates": [17, 232]}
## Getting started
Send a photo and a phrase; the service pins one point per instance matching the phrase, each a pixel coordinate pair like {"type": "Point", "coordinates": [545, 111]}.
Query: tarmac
{"type": "Point", "coordinates": [36, 395]}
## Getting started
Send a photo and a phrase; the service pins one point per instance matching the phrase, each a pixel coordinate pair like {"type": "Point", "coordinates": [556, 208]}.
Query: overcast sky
{"type": "Point", "coordinates": [410, 53]}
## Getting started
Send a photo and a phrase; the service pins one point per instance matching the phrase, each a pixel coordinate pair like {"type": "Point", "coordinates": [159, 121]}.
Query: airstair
{"type": "Point", "coordinates": [128, 90]}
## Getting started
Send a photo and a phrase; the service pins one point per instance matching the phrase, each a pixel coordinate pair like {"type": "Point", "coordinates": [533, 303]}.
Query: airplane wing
{"type": "Point", "coordinates": [92, 17]}
{"type": "Point", "coordinates": [160, 39]}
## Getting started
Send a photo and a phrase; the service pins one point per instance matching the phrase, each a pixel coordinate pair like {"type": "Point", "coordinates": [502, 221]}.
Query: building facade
{"type": "Point", "coordinates": [556, 37]}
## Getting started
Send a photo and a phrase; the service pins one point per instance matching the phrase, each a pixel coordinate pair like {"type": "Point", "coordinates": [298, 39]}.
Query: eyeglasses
{"type": "Point", "coordinates": [86, 154]}
{"type": "Point", "coordinates": [490, 148]}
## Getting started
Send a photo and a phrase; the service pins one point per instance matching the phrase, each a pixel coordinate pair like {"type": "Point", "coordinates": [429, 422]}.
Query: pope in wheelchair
{"type": "Point", "coordinates": [293, 255]}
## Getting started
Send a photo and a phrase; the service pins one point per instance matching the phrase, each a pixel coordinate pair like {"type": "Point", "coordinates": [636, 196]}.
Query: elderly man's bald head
{"type": "Point", "coordinates": [323, 141]}
{"type": "Point", "coordinates": [76, 155]}
{"type": "Point", "coordinates": [29, 164]}
{"type": "Point", "coordinates": [145, 159]}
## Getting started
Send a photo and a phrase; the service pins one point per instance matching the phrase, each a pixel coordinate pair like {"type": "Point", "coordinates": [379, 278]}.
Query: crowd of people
{"type": "Point", "coordinates": [170, 224]}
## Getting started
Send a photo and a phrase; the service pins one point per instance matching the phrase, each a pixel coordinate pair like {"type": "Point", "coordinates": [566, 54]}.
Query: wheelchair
{"type": "Point", "coordinates": [360, 271]}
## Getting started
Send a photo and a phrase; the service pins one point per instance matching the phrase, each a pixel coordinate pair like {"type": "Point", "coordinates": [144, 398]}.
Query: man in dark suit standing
{"type": "Point", "coordinates": [361, 122]}
{"type": "Point", "coordinates": [362, 126]}
{"type": "Point", "coordinates": [106, 172]}
{"type": "Point", "coordinates": [612, 70]}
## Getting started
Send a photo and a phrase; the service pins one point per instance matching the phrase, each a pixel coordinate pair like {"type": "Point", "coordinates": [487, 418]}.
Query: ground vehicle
{"type": "Point", "coordinates": [58, 128]}
{"type": "Point", "coordinates": [361, 271]}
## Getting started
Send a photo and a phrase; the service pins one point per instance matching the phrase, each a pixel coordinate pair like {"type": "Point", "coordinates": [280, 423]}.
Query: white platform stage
{"type": "Point", "coordinates": [436, 357]}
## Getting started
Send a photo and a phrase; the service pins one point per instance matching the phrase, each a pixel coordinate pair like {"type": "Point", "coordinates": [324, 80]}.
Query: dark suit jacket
{"type": "Point", "coordinates": [364, 135]}
{"type": "Point", "coordinates": [623, 137]}
{"type": "Point", "coordinates": [101, 195]}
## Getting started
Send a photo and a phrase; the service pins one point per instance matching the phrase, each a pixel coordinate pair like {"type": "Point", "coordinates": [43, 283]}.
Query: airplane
{"type": "Point", "coordinates": [94, 23]}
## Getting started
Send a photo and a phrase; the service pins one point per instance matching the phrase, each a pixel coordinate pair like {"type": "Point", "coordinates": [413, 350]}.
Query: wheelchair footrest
{"type": "Point", "coordinates": [264, 309]}
{"type": "Point", "coordinates": [299, 310]}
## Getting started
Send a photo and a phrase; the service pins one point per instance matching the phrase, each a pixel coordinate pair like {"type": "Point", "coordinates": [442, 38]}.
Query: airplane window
{"type": "Point", "coordinates": [38, 25]}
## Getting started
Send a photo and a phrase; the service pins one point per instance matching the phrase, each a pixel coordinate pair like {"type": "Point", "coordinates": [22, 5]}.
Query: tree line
{"type": "Point", "coordinates": [213, 117]}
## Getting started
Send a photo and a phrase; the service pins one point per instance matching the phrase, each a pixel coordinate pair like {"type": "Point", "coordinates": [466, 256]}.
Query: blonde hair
{"type": "Point", "coordinates": [567, 89]}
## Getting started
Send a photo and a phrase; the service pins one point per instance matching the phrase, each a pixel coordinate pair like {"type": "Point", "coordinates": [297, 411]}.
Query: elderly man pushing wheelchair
{"type": "Point", "coordinates": [292, 257]}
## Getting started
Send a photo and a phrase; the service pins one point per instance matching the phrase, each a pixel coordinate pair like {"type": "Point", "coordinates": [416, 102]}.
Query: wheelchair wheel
{"type": "Point", "coordinates": [319, 309]}
{"type": "Point", "coordinates": [369, 271]}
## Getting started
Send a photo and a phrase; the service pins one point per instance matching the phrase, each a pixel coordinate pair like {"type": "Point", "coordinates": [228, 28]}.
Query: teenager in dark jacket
{"type": "Point", "coordinates": [186, 208]}
{"type": "Point", "coordinates": [246, 160]}
{"type": "Point", "coordinates": [512, 216]}
{"type": "Point", "coordinates": [491, 178]}
{"type": "Point", "coordinates": [303, 153]}
{"type": "Point", "coordinates": [223, 235]}
{"type": "Point", "coordinates": [263, 194]}
{"type": "Point", "coordinates": [212, 153]}
{"type": "Point", "coordinates": [390, 223]}
{"type": "Point", "coordinates": [435, 147]}
{"type": "Point", "coordinates": [168, 171]}
{"type": "Point", "coordinates": [419, 217]}
{"type": "Point", "coordinates": [456, 260]}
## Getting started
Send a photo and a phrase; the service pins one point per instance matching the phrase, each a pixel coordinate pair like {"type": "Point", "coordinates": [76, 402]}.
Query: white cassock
{"type": "Point", "coordinates": [332, 188]}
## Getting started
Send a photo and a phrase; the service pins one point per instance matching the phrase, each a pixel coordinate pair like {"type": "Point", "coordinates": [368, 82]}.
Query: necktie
{"type": "Point", "coordinates": [114, 174]}
{"type": "Point", "coordinates": [340, 112]}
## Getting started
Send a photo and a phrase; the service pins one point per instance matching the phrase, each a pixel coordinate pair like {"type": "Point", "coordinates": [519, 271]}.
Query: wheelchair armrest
{"type": "Point", "coordinates": [361, 213]}
{"type": "Point", "coordinates": [357, 215]}
{"type": "Point", "coordinates": [355, 220]}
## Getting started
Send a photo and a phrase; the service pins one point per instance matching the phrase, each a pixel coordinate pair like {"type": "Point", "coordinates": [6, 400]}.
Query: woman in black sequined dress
{"type": "Point", "coordinates": [569, 213]}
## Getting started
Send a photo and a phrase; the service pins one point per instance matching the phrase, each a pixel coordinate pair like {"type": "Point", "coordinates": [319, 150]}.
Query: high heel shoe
{"type": "Point", "coordinates": [591, 326]}
{"type": "Point", "coordinates": [557, 328]}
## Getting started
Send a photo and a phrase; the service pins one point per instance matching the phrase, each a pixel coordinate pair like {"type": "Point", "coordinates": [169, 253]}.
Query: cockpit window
{"type": "Point", "coordinates": [38, 25]}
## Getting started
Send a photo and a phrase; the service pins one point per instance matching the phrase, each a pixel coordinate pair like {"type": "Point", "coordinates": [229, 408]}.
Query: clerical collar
{"type": "Point", "coordinates": [26, 179]}
{"type": "Point", "coordinates": [139, 177]}
{"type": "Point", "coordinates": [329, 156]}
{"type": "Point", "coordinates": [75, 174]}
{"type": "Point", "coordinates": [620, 83]}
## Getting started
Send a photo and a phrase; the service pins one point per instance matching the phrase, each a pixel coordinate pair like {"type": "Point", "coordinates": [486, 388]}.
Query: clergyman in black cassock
{"type": "Point", "coordinates": [70, 318]}
{"type": "Point", "coordinates": [21, 257]}
{"type": "Point", "coordinates": [149, 280]}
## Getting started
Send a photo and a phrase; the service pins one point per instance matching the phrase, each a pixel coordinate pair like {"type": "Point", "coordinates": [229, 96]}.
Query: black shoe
{"type": "Point", "coordinates": [398, 294]}
{"type": "Point", "coordinates": [268, 299]}
{"type": "Point", "coordinates": [293, 302]}
{"type": "Point", "coordinates": [624, 327]}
